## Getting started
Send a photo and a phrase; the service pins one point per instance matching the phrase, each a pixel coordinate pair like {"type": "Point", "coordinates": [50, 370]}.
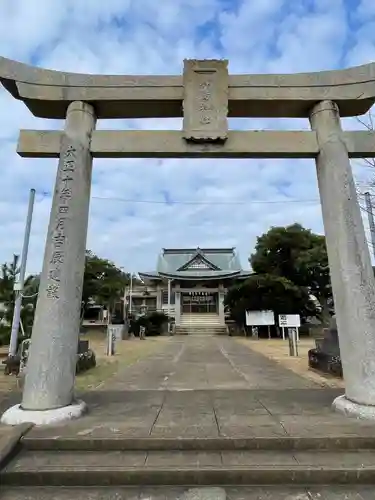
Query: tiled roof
{"type": "Point", "coordinates": [223, 259]}
{"type": "Point", "coordinates": [198, 263]}
{"type": "Point", "coordinates": [189, 275]}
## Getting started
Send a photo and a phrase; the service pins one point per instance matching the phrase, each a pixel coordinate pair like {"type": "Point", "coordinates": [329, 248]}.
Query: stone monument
{"type": "Point", "coordinates": [326, 356]}
{"type": "Point", "coordinates": [205, 96]}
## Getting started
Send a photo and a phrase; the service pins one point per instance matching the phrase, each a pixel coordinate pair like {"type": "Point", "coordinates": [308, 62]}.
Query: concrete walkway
{"type": "Point", "coordinates": [208, 387]}
{"type": "Point", "coordinates": [206, 362]}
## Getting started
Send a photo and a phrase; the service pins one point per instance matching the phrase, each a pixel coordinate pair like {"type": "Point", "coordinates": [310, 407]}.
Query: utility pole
{"type": "Point", "coordinates": [131, 293]}
{"type": "Point", "coordinates": [18, 287]}
{"type": "Point", "coordinates": [124, 303]}
{"type": "Point", "coordinates": [370, 220]}
{"type": "Point", "coordinates": [124, 298]}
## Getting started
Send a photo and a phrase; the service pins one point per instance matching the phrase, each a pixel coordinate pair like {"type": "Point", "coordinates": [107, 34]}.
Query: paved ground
{"type": "Point", "coordinates": [188, 363]}
{"type": "Point", "coordinates": [244, 493]}
{"type": "Point", "coordinates": [278, 350]}
{"type": "Point", "coordinates": [208, 387]}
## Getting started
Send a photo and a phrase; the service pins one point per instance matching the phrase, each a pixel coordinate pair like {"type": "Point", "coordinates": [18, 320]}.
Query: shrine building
{"type": "Point", "coordinates": [198, 279]}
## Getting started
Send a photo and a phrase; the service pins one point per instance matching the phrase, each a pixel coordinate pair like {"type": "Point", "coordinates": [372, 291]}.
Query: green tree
{"type": "Point", "coordinates": [276, 251]}
{"type": "Point", "coordinates": [8, 276]}
{"type": "Point", "coordinates": [313, 271]}
{"type": "Point", "coordinates": [298, 255]}
{"type": "Point", "coordinates": [29, 300]}
{"type": "Point", "coordinates": [103, 282]}
{"type": "Point", "coordinates": [268, 292]}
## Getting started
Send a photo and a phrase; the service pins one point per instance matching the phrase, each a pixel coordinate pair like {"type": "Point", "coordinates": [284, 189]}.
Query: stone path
{"type": "Point", "coordinates": [191, 363]}
{"type": "Point", "coordinates": [208, 387]}
{"type": "Point", "coordinates": [244, 493]}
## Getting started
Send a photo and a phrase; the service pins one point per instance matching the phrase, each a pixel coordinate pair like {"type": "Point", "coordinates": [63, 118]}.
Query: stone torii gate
{"type": "Point", "coordinates": [205, 95]}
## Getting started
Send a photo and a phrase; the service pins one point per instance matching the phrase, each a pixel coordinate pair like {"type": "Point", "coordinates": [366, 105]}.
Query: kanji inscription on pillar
{"type": "Point", "coordinates": [205, 100]}
{"type": "Point", "coordinates": [59, 228]}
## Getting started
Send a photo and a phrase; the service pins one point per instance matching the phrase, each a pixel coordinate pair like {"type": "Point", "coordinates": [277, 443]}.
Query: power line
{"type": "Point", "coordinates": [198, 202]}
{"type": "Point", "coordinates": [186, 202]}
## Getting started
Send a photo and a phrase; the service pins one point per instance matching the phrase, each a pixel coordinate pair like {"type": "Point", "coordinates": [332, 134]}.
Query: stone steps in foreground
{"type": "Point", "coordinates": [220, 444]}
{"type": "Point", "coordinates": [191, 493]}
{"type": "Point", "coordinates": [176, 468]}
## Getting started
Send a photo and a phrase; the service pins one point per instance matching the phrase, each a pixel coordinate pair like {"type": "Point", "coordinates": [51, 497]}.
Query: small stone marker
{"type": "Point", "coordinates": [83, 346]}
{"type": "Point", "coordinates": [293, 341]}
{"type": "Point", "coordinates": [330, 344]}
{"type": "Point", "coordinates": [111, 340]}
{"type": "Point", "coordinates": [326, 355]}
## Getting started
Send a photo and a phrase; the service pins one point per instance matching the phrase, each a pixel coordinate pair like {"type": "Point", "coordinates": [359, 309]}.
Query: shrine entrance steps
{"type": "Point", "coordinates": [201, 324]}
{"type": "Point", "coordinates": [201, 330]}
{"type": "Point", "coordinates": [233, 468]}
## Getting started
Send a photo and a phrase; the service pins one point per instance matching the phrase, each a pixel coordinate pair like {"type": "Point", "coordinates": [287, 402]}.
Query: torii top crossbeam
{"type": "Point", "coordinates": [48, 93]}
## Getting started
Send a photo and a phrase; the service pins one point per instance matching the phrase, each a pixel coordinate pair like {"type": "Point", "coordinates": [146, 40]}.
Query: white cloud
{"type": "Point", "coordinates": [148, 37]}
{"type": "Point", "coordinates": [366, 9]}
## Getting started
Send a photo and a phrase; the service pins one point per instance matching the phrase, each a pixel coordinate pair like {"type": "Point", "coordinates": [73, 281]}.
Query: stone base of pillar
{"type": "Point", "coordinates": [16, 415]}
{"type": "Point", "coordinates": [353, 410]}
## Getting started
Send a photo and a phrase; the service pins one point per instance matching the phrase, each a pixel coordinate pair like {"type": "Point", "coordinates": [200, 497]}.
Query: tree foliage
{"type": "Point", "coordinates": [277, 250]}
{"type": "Point", "coordinates": [154, 323]}
{"type": "Point", "coordinates": [268, 292]}
{"type": "Point", "coordinates": [8, 277]}
{"type": "Point", "coordinates": [296, 254]}
{"type": "Point", "coordinates": [289, 264]}
{"type": "Point", "coordinates": [313, 270]}
{"type": "Point", "coordinates": [103, 282]}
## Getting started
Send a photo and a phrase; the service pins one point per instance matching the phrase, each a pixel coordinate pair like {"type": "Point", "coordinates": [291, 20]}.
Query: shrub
{"type": "Point", "coordinates": [85, 361]}
{"type": "Point", "coordinates": [153, 322]}
{"type": "Point", "coordinates": [156, 322]}
{"type": "Point", "coordinates": [12, 365]}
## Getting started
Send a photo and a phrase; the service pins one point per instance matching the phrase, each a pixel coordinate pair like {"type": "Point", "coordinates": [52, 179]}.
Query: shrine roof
{"type": "Point", "coordinates": [194, 275]}
{"type": "Point", "coordinates": [197, 263]}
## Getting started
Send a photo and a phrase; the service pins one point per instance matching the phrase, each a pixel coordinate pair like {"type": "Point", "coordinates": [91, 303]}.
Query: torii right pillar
{"type": "Point", "coordinates": [352, 276]}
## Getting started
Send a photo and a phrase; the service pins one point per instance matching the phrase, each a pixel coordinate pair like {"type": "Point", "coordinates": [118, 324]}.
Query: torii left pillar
{"type": "Point", "coordinates": [48, 395]}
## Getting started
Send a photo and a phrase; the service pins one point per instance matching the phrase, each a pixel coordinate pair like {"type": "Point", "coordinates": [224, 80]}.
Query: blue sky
{"type": "Point", "coordinates": [139, 206]}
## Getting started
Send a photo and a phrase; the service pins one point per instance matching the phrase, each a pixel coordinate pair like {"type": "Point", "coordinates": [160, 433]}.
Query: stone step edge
{"type": "Point", "coordinates": [207, 476]}
{"type": "Point", "coordinates": [10, 442]}
{"type": "Point", "coordinates": [287, 443]}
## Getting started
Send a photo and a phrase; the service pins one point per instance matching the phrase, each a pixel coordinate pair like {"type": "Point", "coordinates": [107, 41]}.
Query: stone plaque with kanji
{"type": "Point", "coordinates": [205, 100]}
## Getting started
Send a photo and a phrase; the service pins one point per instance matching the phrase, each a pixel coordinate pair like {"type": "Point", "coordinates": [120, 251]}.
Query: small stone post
{"type": "Point", "coordinates": [49, 385]}
{"type": "Point", "coordinates": [177, 305]}
{"type": "Point", "coordinates": [159, 302]}
{"type": "Point", "coordinates": [350, 264]}
{"type": "Point", "coordinates": [221, 310]}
